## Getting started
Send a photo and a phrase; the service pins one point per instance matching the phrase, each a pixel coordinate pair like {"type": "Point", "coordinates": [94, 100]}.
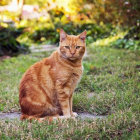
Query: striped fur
{"type": "Point", "coordinates": [47, 87]}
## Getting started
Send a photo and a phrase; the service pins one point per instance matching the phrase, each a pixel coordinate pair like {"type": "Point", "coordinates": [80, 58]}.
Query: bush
{"type": "Point", "coordinates": [94, 31]}
{"type": "Point", "coordinates": [130, 41]}
{"type": "Point", "coordinates": [8, 43]}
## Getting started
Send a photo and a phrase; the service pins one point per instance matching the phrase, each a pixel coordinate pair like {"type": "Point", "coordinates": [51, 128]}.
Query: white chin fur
{"type": "Point", "coordinates": [72, 58]}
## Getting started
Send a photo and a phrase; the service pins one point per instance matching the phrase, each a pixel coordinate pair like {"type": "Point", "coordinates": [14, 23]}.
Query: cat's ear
{"type": "Point", "coordinates": [63, 35]}
{"type": "Point", "coordinates": [82, 36]}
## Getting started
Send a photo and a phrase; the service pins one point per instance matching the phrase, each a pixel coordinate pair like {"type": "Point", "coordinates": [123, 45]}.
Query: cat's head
{"type": "Point", "coordinates": [72, 47]}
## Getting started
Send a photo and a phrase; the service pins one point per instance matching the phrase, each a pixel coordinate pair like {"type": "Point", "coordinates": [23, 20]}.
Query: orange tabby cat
{"type": "Point", "coordinates": [47, 87]}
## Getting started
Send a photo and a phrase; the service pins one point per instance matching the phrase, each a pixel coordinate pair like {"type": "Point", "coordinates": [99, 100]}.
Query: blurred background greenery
{"type": "Point", "coordinates": [111, 23]}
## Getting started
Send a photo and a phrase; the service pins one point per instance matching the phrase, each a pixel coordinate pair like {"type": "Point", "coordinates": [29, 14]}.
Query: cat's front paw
{"type": "Point", "coordinates": [74, 114]}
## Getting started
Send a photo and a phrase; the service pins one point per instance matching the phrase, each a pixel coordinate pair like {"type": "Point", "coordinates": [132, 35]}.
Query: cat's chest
{"type": "Point", "coordinates": [68, 75]}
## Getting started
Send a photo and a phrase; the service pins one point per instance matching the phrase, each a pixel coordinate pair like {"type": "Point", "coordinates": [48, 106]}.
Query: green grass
{"type": "Point", "coordinates": [110, 86]}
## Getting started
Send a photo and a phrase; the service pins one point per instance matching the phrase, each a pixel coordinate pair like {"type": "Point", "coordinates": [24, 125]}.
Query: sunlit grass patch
{"type": "Point", "coordinates": [107, 41]}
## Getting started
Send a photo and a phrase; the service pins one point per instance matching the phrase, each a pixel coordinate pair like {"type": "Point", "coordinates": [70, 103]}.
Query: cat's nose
{"type": "Point", "coordinates": [72, 53]}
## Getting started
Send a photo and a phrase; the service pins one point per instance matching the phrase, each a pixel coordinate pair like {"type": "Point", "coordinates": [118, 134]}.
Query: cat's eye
{"type": "Point", "coordinates": [67, 47]}
{"type": "Point", "coordinates": [77, 47]}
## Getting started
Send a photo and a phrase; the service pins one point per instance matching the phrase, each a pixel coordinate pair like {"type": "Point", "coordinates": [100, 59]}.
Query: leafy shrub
{"type": "Point", "coordinates": [8, 43]}
{"type": "Point", "coordinates": [130, 41]}
{"type": "Point", "coordinates": [134, 33]}
{"type": "Point", "coordinates": [94, 31]}
{"type": "Point", "coordinates": [127, 44]}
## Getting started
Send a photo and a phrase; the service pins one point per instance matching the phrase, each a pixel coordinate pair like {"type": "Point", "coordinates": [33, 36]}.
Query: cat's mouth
{"type": "Point", "coordinates": [72, 58]}
{"type": "Point", "coordinates": [69, 57]}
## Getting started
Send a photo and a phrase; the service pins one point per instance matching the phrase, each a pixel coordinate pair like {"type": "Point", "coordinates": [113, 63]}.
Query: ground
{"type": "Point", "coordinates": [110, 86]}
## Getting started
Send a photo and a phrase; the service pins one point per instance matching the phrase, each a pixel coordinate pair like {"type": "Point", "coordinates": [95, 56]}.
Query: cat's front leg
{"type": "Point", "coordinates": [73, 114]}
{"type": "Point", "coordinates": [64, 103]}
{"type": "Point", "coordinates": [65, 107]}
{"type": "Point", "coordinates": [63, 98]}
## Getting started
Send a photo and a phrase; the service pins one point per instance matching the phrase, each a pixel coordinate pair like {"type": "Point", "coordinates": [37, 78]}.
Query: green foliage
{"type": "Point", "coordinates": [51, 34]}
{"type": "Point", "coordinates": [130, 41]}
{"type": "Point", "coordinates": [8, 43]}
{"type": "Point", "coordinates": [127, 44]}
{"type": "Point", "coordinates": [133, 33]}
{"type": "Point", "coordinates": [98, 17]}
